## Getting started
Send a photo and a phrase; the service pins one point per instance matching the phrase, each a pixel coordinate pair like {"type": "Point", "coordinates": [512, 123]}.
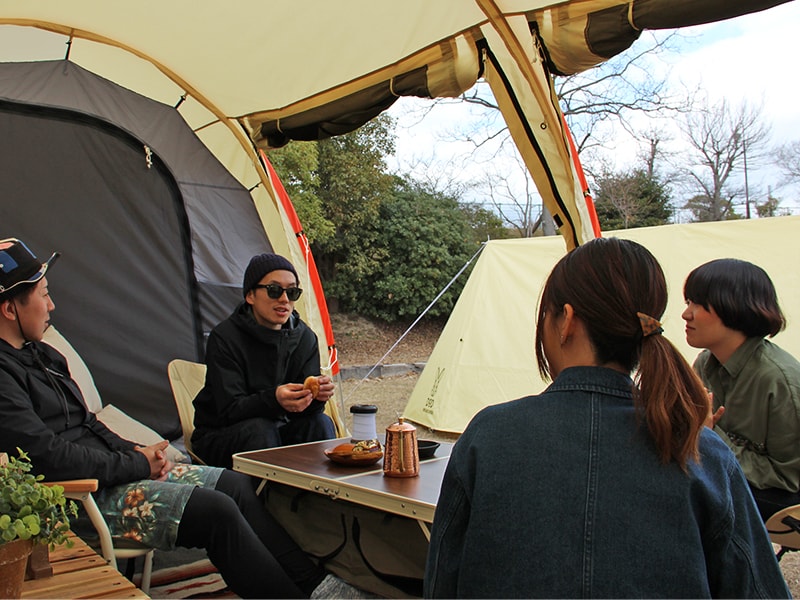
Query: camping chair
{"type": "Point", "coordinates": [186, 378]}
{"type": "Point", "coordinates": [112, 549]}
{"type": "Point", "coordinates": [81, 491]}
{"type": "Point", "coordinates": [784, 529]}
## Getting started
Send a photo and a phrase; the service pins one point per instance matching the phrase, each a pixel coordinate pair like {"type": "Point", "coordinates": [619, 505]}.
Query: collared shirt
{"type": "Point", "coordinates": [759, 386]}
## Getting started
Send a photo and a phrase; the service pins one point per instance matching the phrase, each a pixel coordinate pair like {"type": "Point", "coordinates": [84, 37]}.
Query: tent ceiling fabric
{"type": "Point", "coordinates": [581, 34]}
{"type": "Point", "coordinates": [449, 70]}
{"type": "Point", "coordinates": [261, 61]}
{"type": "Point", "coordinates": [266, 57]}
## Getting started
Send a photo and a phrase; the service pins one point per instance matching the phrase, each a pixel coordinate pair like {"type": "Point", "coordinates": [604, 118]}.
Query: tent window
{"type": "Point", "coordinates": [346, 114]}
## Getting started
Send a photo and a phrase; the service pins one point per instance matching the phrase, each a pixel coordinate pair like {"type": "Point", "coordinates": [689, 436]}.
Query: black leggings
{"type": "Point", "coordinates": [216, 447]}
{"type": "Point", "coordinates": [771, 500]}
{"type": "Point", "coordinates": [254, 554]}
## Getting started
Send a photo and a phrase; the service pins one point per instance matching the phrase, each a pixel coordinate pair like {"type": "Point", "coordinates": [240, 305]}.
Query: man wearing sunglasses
{"type": "Point", "coordinates": [43, 412]}
{"type": "Point", "coordinates": [258, 359]}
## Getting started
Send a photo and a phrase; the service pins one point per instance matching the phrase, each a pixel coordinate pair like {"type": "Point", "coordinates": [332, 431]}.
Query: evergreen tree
{"type": "Point", "coordinates": [629, 200]}
{"type": "Point", "coordinates": [425, 238]}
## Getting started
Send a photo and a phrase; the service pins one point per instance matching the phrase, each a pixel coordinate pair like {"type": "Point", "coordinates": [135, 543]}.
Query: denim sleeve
{"type": "Point", "coordinates": [447, 538]}
{"type": "Point", "coordinates": [740, 560]}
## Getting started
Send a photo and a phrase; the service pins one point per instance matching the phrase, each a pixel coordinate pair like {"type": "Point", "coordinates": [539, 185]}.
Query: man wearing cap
{"type": "Point", "coordinates": [141, 494]}
{"type": "Point", "coordinates": [258, 360]}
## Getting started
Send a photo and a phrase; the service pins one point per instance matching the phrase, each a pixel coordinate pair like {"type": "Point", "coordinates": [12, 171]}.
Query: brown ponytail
{"type": "Point", "coordinates": [672, 400]}
{"type": "Point", "coordinates": [608, 282]}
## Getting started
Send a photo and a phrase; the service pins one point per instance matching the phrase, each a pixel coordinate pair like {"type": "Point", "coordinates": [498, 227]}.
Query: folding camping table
{"type": "Point", "coordinates": [305, 466]}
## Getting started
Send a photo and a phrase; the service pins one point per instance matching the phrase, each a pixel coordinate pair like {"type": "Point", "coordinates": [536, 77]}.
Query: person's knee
{"type": "Point", "coordinates": [211, 505]}
{"type": "Point", "coordinates": [308, 428]}
{"type": "Point", "coordinates": [238, 486]}
{"type": "Point", "coordinates": [207, 514]}
{"type": "Point", "coordinates": [257, 433]}
{"type": "Point", "coordinates": [323, 424]}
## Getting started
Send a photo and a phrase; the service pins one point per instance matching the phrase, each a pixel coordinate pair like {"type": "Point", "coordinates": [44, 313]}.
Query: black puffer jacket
{"type": "Point", "coordinates": [42, 412]}
{"type": "Point", "coordinates": [246, 363]}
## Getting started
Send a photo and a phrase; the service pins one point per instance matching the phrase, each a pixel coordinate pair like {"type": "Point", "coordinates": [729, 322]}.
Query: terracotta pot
{"type": "Point", "coordinates": [13, 558]}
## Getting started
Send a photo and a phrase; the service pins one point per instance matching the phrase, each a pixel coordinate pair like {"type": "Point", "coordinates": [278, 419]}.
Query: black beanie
{"type": "Point", "coordinates": [260, 265]}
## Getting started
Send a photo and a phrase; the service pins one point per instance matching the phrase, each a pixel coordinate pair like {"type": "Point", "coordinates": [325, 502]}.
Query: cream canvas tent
{"type": "Point", "coordinates": [250, 75]}
{"type": "Point", "coordinates": [486, 355]}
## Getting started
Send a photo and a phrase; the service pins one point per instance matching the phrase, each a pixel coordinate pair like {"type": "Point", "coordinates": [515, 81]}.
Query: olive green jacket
{"type": "Point", "coordinates": [759, 386]}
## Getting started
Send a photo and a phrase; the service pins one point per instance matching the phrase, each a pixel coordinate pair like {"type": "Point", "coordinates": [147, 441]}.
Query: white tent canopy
{"type": "Point", "coordinates": [486, 353]}
{"type": "Point", "coordinates": [242, 72]}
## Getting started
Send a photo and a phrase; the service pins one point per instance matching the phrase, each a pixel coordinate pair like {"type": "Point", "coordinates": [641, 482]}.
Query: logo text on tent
{"type": "Point", "coordinates": [428, 408]}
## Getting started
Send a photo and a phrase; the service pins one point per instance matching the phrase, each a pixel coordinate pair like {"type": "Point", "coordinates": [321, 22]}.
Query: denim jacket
{"type": "Point", "coordinates": [563, 495]}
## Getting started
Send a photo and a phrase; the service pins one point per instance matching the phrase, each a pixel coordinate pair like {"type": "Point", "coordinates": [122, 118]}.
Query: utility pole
{"type": "Point", "coordinates": [746, 187]}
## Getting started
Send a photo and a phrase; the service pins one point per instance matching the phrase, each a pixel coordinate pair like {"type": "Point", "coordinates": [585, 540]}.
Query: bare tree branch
{"type": "Point", "coordinates": [720, 137]}
{"type": "Point", "coordinates": [788, 158]}
{"type": "Point", "coordinates": [616, 90]}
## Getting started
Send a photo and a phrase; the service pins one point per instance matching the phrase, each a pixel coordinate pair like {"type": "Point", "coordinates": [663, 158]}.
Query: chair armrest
{"type": "Point", "coordinates": [75, 486]}
{"type": "Point", "coordinates": [81, 490]}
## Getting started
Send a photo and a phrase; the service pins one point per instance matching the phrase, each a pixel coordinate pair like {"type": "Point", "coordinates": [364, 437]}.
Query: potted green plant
{"type": "Point", "coordinates": [30, 513]}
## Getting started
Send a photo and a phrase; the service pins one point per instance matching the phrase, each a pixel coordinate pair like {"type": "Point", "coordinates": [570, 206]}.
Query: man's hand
{"type": "Point", "coordinates": [326, 388]}
{"type": "Point", "coordinates": [293, 397]}
{"type": "Point", "coordinates": [159, 465]}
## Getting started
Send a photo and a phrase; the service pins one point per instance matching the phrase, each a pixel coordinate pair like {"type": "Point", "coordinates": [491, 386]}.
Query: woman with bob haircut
{"type": "Point", "coordinates": [731, 307]}
{"type": "Point", "coordinates": [603, 485]}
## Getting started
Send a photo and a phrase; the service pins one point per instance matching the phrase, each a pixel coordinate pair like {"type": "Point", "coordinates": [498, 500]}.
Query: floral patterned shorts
{"type": "Point", "coordinates": [150, 511]}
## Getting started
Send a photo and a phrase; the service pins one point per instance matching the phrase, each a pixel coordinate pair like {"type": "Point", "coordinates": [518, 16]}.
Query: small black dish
{"type": "Point", "coordinates": [426, 448]}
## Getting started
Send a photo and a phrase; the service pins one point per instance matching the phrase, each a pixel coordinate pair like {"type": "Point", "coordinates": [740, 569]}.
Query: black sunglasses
{"type": "Point", "coordinates": [275, 291]}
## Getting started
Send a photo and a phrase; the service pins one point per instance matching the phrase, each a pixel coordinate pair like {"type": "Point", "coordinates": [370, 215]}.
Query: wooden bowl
{"type": "Point", "coordinates": [361, 454]}
{"type": "Point", "coordinates": [356, 459]}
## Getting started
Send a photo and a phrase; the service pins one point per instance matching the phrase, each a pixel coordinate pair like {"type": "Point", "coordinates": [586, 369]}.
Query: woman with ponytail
{"type": "Point", "coordinates": [607, 484]}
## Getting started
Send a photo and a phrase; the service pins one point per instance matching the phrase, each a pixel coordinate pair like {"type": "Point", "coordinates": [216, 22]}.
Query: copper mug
{"type": "Point", "coordinates": [401, 455]}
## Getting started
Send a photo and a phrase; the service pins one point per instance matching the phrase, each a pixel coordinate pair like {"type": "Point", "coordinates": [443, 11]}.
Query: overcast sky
{"type": "Point", "coordinates": [748, 59]}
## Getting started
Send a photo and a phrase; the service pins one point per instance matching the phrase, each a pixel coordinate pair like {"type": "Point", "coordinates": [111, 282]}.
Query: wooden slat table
{"type": "Point", "coordinates": [79, 572]}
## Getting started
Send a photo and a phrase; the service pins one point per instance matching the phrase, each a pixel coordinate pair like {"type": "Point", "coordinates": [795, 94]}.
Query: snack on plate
{"type": "Point", "coordinates": [312, 383]}
{"type": "Point", "coordinates": [364, 446]}
{"type": "Point", "coordinates": [367, 446]}
{"type": "Point", "coordinates": [361, 454]}
{"type": "Point", "coordinates": [343, 449]}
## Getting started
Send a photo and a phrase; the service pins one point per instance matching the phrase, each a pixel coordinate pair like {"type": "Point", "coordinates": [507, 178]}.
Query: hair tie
{"type": "Point", "coordinates": [650, 326]}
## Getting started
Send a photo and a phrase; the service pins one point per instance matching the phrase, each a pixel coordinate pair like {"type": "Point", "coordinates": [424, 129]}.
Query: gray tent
{"type": "Point", "coordinates": [154, 231]}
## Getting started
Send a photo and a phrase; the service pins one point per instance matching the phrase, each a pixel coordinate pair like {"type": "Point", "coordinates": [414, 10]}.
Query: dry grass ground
{"type": "Point", "coordinates": [362, 342]}
{"type": "Point", "coordinates": [790, 564]}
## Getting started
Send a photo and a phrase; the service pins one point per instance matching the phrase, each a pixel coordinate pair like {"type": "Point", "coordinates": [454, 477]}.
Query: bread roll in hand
{"type": "Point", "coordinates": [312, 383]}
